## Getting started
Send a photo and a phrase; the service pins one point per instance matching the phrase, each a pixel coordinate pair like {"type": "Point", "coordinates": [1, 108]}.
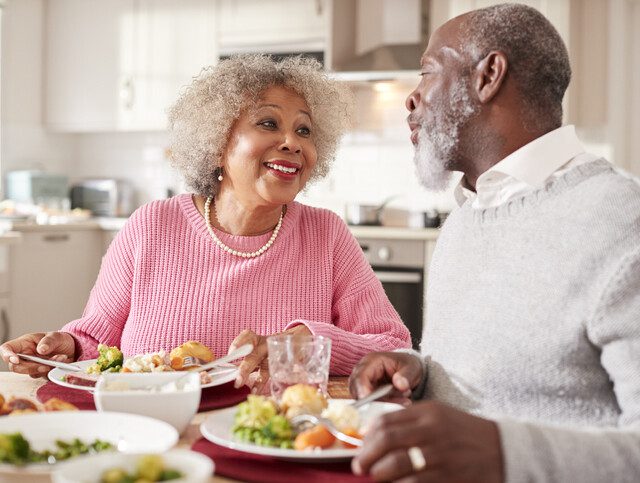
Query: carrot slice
{"type": "Point", "coordinates": [316, 437]}
{"type": "Point", "coordinates": [351, 432]}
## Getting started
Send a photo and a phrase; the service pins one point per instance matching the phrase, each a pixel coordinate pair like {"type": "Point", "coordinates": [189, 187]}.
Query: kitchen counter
{"type": "Point", "coordinates": [394, 233]}
{"type": "Point", "coordinates": [99, 223]}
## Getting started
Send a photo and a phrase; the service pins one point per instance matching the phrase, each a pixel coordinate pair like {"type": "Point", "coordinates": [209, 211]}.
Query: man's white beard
{"type": "Point", "coordinates": [437, 147]}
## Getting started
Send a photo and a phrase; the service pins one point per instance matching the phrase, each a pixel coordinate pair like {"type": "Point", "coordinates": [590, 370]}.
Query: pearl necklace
{"type": "Point", "coordinates": [230, 250]}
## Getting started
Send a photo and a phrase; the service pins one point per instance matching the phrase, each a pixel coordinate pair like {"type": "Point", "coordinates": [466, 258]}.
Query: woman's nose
{"type": "Point", "coordinates": [289, 143]}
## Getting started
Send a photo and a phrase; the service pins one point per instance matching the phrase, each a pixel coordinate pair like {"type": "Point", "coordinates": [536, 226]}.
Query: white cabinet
{"type": "Point", "coordinates": [271, 24]}
{"type": "Point", "coordinates": [52, 272]}
{"type": "Point", "coordinates": [118, 65]}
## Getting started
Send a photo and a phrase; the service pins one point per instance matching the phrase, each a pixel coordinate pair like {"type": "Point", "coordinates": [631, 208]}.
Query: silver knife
{"type": "Point", "coordinates": [48, 362]}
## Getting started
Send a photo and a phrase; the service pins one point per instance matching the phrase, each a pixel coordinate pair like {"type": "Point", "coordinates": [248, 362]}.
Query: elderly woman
{"type": "Point", "coordinates": [238, 259]}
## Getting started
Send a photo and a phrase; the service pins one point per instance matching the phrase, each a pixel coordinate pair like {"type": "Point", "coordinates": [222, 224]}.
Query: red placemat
{"type": "Point", "coordinates": [263, 469]}
{"type": "Point", "coordinates": [78, 397]}
{"type": "Point", "coordinates": [215, 397]}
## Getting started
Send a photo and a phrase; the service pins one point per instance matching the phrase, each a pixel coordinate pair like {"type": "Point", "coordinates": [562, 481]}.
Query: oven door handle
{"type": "Point", "coordinates": [398, 277]}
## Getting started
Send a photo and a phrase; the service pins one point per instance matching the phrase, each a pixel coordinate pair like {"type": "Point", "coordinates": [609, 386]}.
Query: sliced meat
{"type": "Point", "coordinates": [79, 379]}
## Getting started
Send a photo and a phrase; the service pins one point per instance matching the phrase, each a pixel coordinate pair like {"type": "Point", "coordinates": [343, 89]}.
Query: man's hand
{"type": "Point", "coordinates": [403, 370]}
{"type": "Point", "coordinates": [456, 446]}
{"type": "Point", "coordinates": [58, 346]}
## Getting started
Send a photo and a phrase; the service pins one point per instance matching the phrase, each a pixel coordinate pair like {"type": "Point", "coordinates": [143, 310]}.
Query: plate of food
{"type": "Point", "coordinates": [111, 360]}
{"type": "Point", "coordinates": [37, 443]}
{"type": "Point", "coordinates": [261, 426]}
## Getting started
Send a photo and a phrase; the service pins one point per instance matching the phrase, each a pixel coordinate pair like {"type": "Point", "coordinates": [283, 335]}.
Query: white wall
{"type": "Point", "coordinates": [25, 142]}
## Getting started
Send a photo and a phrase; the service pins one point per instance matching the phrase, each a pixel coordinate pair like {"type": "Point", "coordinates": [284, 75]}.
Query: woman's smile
{"type": "Point", "coordinates": [284, 170]}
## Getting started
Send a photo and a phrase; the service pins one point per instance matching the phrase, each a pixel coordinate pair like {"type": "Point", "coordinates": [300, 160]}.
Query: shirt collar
{"type": "Point", "coordinates": [532, 164]}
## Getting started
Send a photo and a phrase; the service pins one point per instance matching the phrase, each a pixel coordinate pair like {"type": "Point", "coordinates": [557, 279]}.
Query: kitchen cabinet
{"type": "Point", "coordinates": [5, 288]}
{"type": "Point", "coordinates": [272, 25]}
{"type": "Point", "coordinates": [52, 271]}
{"type": "Point", "coordinates": [119, 65]}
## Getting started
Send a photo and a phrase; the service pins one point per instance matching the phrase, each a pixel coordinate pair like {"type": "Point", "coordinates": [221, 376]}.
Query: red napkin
{"type": "Point", "coordinates": [264, 469]}
{"type": "Point", "coordinates": [215, 397]}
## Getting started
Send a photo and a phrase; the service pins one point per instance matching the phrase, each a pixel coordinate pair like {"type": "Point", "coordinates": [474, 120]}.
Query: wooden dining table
{"type": "Point", "coordinates": [19, 385]}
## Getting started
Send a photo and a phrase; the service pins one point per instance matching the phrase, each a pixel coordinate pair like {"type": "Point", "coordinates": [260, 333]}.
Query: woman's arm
{"type": "Point", "coordinates": [108, 306]}
{"type": "Point", "coordinates": [363, 319]}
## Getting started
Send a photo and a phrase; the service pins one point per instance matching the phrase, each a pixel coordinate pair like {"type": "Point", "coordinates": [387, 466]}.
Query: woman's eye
{"type": "Point", "coordinates": [304, 131]}
{"type": "Point", "coordinates": [269, 123]}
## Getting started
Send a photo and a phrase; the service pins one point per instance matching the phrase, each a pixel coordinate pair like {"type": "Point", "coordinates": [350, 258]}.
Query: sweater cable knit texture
{"type": "Point", "coordinates": [164, 281]}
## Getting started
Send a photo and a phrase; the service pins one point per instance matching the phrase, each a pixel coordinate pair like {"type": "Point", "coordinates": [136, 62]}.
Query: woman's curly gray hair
{"type": "Point", "coordinates": [201, 119]}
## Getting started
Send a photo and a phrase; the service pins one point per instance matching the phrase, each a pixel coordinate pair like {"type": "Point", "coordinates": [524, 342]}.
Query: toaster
{"type": "Point", "coordinates": [103, 196]}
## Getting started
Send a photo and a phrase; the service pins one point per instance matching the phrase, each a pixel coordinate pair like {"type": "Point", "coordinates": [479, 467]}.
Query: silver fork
{"type": "Point", "coordinates": [298, 423]}
{"type": "Point", "coordinates": [241, 351]}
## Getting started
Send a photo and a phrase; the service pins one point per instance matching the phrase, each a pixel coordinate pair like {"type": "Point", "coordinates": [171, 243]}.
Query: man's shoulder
{"type": "Point", "coordinates": [610, 189]}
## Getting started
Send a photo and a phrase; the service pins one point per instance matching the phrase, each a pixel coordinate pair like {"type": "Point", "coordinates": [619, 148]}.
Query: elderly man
{"type": "Point", "coordinates": [531, 354]}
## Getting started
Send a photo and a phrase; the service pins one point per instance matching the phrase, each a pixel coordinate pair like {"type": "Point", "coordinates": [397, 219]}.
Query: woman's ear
{"type": "Point", "coordinates": [490, 73]}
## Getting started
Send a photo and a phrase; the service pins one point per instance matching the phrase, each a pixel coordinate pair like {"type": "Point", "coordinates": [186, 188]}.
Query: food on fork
{"type": "Point", "coordinates": [302, 399]}
{"type": "Point", "coordinates": [192, 350]}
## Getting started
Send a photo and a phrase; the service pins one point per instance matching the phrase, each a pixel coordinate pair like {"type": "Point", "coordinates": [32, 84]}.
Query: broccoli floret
{"type": "Point", "coordinates": [14, 449]}
{"type": "Point", "coordinates": [278, 428]}
{"type": "Point", "coordinates": [254, 412]}
{"type": "Point", "coordinates": [110, 358]}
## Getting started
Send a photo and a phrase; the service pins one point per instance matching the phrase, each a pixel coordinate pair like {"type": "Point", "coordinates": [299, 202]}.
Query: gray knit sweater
{"type": "Point", "coordinates": [534, 321]}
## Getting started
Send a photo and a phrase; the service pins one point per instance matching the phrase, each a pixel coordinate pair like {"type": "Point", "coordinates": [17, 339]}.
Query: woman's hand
{"type": "Point", "coordinates": [57, 346]}
{"type": "Point", "coordinates": [254, 369]}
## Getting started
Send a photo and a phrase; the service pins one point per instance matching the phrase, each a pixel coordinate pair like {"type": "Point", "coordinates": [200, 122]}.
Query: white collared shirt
{"type": "Point", "coordinates": [526, 169]}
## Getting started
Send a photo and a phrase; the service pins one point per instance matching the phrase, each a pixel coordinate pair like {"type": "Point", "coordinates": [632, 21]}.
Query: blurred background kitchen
{"type": "Point", "coordinates": [85, 84]}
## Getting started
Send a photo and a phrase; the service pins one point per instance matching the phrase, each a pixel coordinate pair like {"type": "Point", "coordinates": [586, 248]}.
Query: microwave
{"type": "Point", "coordinates": [103, 197]}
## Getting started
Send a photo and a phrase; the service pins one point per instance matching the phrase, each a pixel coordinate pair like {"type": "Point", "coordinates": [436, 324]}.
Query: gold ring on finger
{"type": "Point", "coordinates": [418, 461]}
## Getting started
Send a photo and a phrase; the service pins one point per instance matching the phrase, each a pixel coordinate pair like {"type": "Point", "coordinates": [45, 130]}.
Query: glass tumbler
{"type": "Point", "coordinates": [295, 359]}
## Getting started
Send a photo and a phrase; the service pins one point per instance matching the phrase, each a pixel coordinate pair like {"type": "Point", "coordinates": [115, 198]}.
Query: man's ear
{"type": "Point", "coordinates": [489, 75]}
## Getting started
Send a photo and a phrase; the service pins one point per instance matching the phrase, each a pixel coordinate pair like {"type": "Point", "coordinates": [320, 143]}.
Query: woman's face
{"type": "Point", "coordinates": [271, 150]}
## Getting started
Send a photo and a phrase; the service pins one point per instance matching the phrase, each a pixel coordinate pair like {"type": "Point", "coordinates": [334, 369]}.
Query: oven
{"type": "Point", "coordinates": [399, 264]}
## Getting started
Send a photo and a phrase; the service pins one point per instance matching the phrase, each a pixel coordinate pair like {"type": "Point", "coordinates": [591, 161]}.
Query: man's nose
{"type": "Point", "coordinates": [412, 100]}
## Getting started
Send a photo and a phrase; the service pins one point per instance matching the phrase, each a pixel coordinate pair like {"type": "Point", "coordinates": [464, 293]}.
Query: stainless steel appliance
{"type": "Point", "coordinates": [39, 187]}
{"type": "Point", "coordinates": [103, 196]}
{"type": "Point", "coordinates": [400, 264]}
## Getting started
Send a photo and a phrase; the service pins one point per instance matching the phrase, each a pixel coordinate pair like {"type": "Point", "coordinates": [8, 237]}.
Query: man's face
{"type": "Point", "coordinates": [440, 107]}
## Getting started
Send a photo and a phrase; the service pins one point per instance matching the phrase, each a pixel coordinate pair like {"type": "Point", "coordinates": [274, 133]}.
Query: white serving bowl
{"type": "Point", "coordinates": [195, 467]}
{"type": "Point", "coordinates": [176, 404]}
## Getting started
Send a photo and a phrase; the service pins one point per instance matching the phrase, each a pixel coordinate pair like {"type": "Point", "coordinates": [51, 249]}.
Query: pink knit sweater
{"type": "Point", "coordinates": [164, 281]}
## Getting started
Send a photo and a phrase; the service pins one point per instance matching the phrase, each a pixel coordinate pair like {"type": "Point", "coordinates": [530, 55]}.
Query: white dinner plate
{"type": "Point", "coordinates": [217, 429]}
{"type": "Point", "coordinates": [130, 433]}
{"type": "Point", "coordinates": [219, 376]}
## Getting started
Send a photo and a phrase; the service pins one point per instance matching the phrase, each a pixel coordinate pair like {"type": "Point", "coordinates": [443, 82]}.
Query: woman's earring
{"type": "Point", "coordinates": [220, 177]}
